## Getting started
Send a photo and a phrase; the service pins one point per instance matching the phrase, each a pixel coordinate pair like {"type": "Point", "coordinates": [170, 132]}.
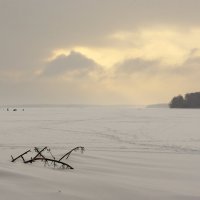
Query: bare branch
{"type": "Point", "coordinates": [20, 156]}
{"type": "Point", "coordinates": [41, 157]}
{"type": "Point", "coordinates": [48, 159]}
{"type": "Point", "coordinates": [39, 152]}
{"type": "Point", "coordinates": [74, 149]}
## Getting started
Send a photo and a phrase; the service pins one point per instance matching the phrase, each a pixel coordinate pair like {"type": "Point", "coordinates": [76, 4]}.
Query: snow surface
{"type": "Point", "coordinates": [130, 153]}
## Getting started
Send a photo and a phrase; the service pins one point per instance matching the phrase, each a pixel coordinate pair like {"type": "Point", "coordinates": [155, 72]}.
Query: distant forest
{"type": "Point", "coordinates": [191, 100]}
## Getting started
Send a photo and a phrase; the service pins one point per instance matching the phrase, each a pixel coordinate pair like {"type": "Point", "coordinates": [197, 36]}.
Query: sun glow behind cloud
{"type": "Point", "coordinates": [148, 60]}
{"type": "Point", "coordinates": [170, 46]}
{"type": "Point", "coordinates": [106, 57]}
{"type": "Point", "coordinates": [134, 66]}
{"type": "Point", "coordinates": [124, 51]}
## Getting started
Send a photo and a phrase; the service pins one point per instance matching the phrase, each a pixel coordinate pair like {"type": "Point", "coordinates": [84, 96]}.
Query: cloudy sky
{"type": "Point", "coordinates": [98, 51]}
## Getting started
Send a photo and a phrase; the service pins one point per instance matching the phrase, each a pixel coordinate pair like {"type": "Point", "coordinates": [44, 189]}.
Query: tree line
{"type": "Point", "coordinates": [190, 100]}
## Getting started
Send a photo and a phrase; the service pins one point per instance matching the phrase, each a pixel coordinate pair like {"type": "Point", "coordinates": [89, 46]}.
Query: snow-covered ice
{"type": "Point", "coordinates": [131, 153]}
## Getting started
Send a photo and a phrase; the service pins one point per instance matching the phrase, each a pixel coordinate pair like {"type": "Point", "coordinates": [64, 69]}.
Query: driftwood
{"type": "Point", "coordinates": [41, 157]}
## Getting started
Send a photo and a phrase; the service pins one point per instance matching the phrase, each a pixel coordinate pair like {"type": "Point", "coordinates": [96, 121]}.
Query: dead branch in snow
{"type": "Point", "coordinates": [74, 149]}
{"type": "Point", "coordinates": [40, 156]}
{"type": "Point", "coordinates": [20, 156]}
{"type": "Point", "coordinates": [51, 160]}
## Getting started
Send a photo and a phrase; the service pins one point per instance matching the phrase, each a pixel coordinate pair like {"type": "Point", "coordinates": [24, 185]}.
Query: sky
{"type": "Point", "coordinates": [131, 52]}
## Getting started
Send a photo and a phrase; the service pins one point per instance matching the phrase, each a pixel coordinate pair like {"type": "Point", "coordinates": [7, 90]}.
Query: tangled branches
{"type": "Point", "coordinates": [40, 156]}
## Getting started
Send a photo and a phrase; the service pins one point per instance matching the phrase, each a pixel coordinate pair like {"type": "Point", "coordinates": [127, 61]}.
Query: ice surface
{"type": "Point", "coordinates": [130, 153]}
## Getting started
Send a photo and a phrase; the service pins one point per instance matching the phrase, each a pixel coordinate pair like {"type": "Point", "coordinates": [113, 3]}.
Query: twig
{"type": "Point", "coordinates": [40, 157]}
{"type": "Point", "coordinates": [20, 156]}
{"type": "Point", "coordinates": [68, 153]}
{"type": "Point", "coordinates": [49, 150]}
{"type": "Point", "coordinates": [39, 152]}
{"type": "Point", "coordinates": [49, 159]}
